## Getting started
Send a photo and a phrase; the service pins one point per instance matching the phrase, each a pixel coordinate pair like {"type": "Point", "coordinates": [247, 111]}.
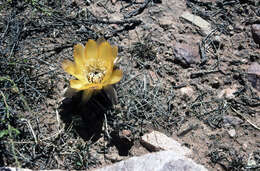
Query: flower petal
{"type": "Point", "coordinates": [106, 58]}
{"type": "Point", "coordinates": [116, 76]}
{"type": "Point", "coordinates": [71, 68]}
{"type": "Point", "coordinates": [77, 84]}
{"type": "Point", "coordinates": [91, 50]}
{"type": "Point", "coordinates": [83, 85]}
{"type": "Point", "coordinates": [92, 86]}
{"type": "Point", "coordinates": [114, 51]}
{"type": "Point", "coordinates": [105, 53]}
{"type": "Point", "coordinates": [79, 55]}
{"type": "Point", "coordinates": [68, 66]}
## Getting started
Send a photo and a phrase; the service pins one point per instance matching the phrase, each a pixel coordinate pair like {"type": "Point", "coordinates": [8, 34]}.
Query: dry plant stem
{"type": "Point", "coordinates": [10, 131]}
{"type": "Point", "coordinates": [251, 123]}
{"type": "Point", "coordinates": [106, 127]}
{"type": "Point", "coordinates": [58, 118]}
{"type": "Point", "coordinates": [130, 79]}
{"type": "Point", "coordinates": [31, 129]}
{"type": "Point", "coordinates": [53, 135]}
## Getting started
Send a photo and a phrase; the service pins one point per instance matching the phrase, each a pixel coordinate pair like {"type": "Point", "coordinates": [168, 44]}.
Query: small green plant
{"type": "Point", "coordinates": [4, 122]}
{"type": "Point", "coordinates": [11, 130]}
{"type": "Point", "coordinates": [8, 131]}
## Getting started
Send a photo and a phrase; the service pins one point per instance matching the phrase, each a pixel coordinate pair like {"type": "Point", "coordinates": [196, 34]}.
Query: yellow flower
{"type": "Point", "coordinates": [93, 66]}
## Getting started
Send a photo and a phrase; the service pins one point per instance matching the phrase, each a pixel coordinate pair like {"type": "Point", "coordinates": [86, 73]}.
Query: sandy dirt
{"type": "Point", "coordinates": [207, 102]}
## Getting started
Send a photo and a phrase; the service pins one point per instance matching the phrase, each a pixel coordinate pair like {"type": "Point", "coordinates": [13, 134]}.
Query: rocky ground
{"type": "Point", "coordinates": [191, 71]}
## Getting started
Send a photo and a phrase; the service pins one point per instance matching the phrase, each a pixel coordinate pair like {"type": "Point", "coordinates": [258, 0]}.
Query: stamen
{"type": "Point", "coordinates": [96, 76]}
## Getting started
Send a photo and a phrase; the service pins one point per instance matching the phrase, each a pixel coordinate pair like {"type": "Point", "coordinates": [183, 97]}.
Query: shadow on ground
{"type": "Point", "coordinates": [86, 117]}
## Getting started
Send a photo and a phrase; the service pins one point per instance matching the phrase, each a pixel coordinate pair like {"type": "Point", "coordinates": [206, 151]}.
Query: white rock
{"type": "Point", "coordinates": [198, 21]}
{"type": "Point", "coordinates": [232, 133]}
{"type": "Point", "coordinates": [160, 161]}
{"type": "Point", "coordinates": [156, 141]}
{"type": "Point", "coordinates": [227, 93]}
{"type": "Point", "coordinates": [116, 17]}
{"type": "Point", "coordinates": [187, 91]}
{"type": "Point", "coordinates": [22, 169]}
{"type": "Point", "coordinates": [251, 161]}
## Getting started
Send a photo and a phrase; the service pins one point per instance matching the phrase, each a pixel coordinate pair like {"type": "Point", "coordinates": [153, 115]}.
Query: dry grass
{"type": "Point", "coordinates": [39, 129]}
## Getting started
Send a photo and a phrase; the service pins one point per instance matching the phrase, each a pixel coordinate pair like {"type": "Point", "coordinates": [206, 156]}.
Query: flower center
{"type": "Point", "coordinates": [96, 75]}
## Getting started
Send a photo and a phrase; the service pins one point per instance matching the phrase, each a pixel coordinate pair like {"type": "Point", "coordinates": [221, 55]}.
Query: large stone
{"type": "Point", "coordinates": [256, 32]}
{"type": "Point", "coordinates": [159, 161]}
{"type": "Point", "coordinates": [22, 169]}
{"type": "Point", "coordinates": [156, 141]}
{"type": "Point", "coordinates": [186, 54]}
{"type": "Point", "coordinates": [198, 21]}
{"type": "Point", "coordinates": [254, 75]}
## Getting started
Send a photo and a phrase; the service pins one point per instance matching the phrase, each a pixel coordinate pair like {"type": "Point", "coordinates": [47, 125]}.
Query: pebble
{"type": "Point", "coordinates": [254, 75]}
{"type": "Point", "coordinates": [255, 29]}
{"type": "Point", "coordinates": [232, 133]}
{"type": "Point", "coordinates": [251, 161]}
{"type": "Point", "coordinates": [215, 83]}
{"type": "Point", "coordinates": [227, 93]}
{"type": "Point", "coordinates": [123, 140]}
{"type": "Point", "coordinates": [186, 54]}
{"type": "Point", "coordinates": [198, 21]}
{"type": "Point", "coordinates": [231, 121]}
{"type": "Point", "coordinates": [156, 141]}
{"type": "Point", "coordinates": [187, 91]}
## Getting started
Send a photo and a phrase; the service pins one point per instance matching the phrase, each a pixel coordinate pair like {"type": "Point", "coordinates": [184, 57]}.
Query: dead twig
{"type": "Point", "coordinates": [251, 123]}
{"type": "Point", "coordinates": [138, 10]}
{"type": "Point", "coordinates": [199, 74]}
{"type": "Point", "coordinates": [31, 129]}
